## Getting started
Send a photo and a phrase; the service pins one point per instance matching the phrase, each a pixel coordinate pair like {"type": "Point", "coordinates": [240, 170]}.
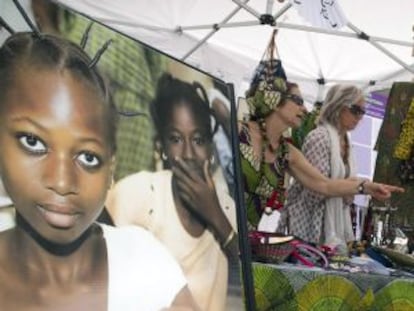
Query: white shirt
{"type": "Point", "coordinates": [142, 275]}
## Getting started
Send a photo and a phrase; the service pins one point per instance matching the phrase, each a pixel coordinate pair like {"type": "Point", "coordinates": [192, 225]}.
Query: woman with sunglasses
{"type": "Point", "coordinates": [316, 217]}
{"type": "Point", "coordinates": [267, 156]}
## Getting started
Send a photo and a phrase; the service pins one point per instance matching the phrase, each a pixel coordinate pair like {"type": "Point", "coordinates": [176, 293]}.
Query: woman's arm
{"type": "Point", "coordinates": [311, 178]}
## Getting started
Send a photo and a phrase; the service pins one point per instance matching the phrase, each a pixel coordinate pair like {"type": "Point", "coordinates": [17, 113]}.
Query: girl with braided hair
{"type": "Point", "coordinates": [57, 145]}
{"type": "Point", "coordinates": [181, 204]}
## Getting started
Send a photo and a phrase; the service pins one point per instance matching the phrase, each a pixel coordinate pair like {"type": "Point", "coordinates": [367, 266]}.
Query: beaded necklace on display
{"type": "Point", "coordinates": [276, 199]}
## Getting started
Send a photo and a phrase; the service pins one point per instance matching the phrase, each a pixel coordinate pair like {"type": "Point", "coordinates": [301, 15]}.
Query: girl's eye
{"type": "Point", "coordinates": [199, 140]}
{"type": "Point", "coordinates": [32, 143]}
{"type": "Point", "coordinates": [174, 139]}
{"type": "Point", "coordinates": [89, 160]}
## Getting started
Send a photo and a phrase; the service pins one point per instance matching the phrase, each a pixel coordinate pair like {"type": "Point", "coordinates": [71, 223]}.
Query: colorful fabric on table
{"type": "Point", "coordinates": [263, 182]}
{"type": "Point", "coordinates": [387, 167]}
{"type": "Point", "coordinates": [403, 148]}
{"type": "Point", "coordinates": [329, 292]}
{"type": "Point", "coordinates": [293, 288]}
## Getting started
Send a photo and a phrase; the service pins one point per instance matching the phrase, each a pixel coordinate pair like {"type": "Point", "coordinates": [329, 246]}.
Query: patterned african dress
{"type": "Point", "coordinates": [263, 182]}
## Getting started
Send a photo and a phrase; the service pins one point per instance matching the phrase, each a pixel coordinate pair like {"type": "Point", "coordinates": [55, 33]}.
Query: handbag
{"type": "Point", "coordinates": [268, 83]}
{"type": "Point", "coordinates": [270, 65]}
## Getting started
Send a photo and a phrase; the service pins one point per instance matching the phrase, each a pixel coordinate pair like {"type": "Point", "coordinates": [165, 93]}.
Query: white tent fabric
{"type": "Point", "coordinates": [233, 39]}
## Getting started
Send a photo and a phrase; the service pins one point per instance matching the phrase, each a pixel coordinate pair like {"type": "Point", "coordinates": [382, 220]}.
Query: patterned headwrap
{"type": "Point", "coordinates": [266, 89]}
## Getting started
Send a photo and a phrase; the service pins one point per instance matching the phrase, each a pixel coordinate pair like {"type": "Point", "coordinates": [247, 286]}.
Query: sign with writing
{"type": "Point", "coordinates": [375, 104]}
{"type": "Point", "coordinates": [324, 14]}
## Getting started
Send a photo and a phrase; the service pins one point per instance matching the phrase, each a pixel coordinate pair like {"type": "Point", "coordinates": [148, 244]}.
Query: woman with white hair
{"type": "Point", "coordinates": [312, 216]}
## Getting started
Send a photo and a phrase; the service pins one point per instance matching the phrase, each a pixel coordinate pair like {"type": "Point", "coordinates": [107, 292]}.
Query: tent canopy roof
{"type": "Point", "coordinates": [225, 38]}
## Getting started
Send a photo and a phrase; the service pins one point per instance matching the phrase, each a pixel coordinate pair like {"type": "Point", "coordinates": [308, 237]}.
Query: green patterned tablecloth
{"type": "Point", "coordinates": [291, 288]}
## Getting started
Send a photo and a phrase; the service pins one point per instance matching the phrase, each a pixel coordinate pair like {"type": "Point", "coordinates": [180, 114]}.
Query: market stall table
{"type": "Point", "coordinates": [290, 287]}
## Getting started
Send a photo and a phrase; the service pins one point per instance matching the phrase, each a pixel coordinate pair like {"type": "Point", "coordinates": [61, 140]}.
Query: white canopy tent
{"type": "Point", "coordinates": [226, 38]}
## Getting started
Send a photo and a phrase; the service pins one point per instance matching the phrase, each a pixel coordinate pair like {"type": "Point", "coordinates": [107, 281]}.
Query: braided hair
{"type": "Point", "coordinates": [172, 92]}
{"type": "Point", "coordinates": [50, 52]}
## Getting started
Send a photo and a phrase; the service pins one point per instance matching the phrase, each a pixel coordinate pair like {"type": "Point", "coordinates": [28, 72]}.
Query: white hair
{"type": "Point", "coordinates": [338, 97]}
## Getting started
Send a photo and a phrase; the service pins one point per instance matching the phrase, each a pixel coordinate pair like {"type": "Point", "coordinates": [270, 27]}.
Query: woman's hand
{"type": "Point", "coordinates": [380, 191]}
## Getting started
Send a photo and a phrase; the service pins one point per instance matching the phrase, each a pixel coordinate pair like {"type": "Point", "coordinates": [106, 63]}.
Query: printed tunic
{"type": "Point", "coordinates": [263, 182]}
{"type": "Point", "coordinates": [304, 210]}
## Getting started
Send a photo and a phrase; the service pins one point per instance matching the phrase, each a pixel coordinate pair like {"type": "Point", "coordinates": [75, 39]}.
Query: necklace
{"type": "Point", "coordinates": [344, 144]}
{"type": "Point", "coordinates": [276, 195]}
{"type": "Point", "coordinates": [266, 144]}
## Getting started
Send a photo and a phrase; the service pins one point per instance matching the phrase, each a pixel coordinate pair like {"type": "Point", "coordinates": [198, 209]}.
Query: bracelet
{"type": "Point", "coordinates": [228, 240]}
{"type": "Point", "coordinates": [361, 188]}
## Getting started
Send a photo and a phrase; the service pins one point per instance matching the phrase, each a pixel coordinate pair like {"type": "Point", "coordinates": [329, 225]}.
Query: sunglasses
{"type": "Point", "coordinates": [356, 110]}
{"type": "Point", "coordinates": [295, 98]}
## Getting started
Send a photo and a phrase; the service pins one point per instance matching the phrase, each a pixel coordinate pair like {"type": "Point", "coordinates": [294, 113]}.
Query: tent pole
{"type": "Point", "coordinates": [216, 27]}
{"type": "Point", "coordinates": [282, 10]}
{"type": "Point", "coordinates": [394, 74]}
{"type": "Point", "coordinates": [247, 8]}
{"type": "Point", "coordinates": [269, 6]}
{"type": "Point", "coordinates": [302, 28]}
{"type": "Point", "coordinates": [239, 24]}
{"type": "Point", "coordinates": [391, 41]}
{"type": "Point", "coordinates": [110, 22]}
{"type": "Point", "coordinates": [224, 22]}
{"type": "Point", "coordinates": [363, 36]}
{"type": "Point", "coordinates": [341, 33]}
{"type": "Point", "coordinates": [228, 25]}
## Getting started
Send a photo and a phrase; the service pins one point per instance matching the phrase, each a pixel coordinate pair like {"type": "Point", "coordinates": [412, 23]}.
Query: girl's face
{"type": "Point", "coordinates": [349, 117]}
{"type": "Point", "coordinates": [185, 138]}
{"type": "Point", "coordinates": [55, 157]}
{"type": "Point", "coordinates": [293, 110]}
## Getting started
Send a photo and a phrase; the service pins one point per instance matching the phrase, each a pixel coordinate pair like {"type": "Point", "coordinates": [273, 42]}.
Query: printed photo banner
{"type": "Point", "coordinates": [167, 111]}
{"type": "Point", "coordinates": [144, 152]}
